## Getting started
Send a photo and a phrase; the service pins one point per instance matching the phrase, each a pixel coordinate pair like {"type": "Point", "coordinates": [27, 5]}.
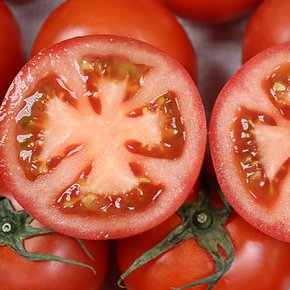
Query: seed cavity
{"type": "Point", "coordinates": [277, 87]}
{"type": "Point", "coordinates": [248, 159]}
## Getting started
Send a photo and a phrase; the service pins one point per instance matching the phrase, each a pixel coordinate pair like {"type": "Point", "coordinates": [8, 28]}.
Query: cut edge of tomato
{"type": "Point", "coordinates": [125, 227]}
{"type": "Point", "coordinates": [231, 185]}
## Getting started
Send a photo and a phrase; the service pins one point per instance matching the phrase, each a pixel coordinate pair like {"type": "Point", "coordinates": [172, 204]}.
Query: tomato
{"type": "Point", "coordinates": [211, 11]}
{"type": "Point", "coordinates": [249, 140]}
{"type": "Point", "coordinates": [11, 48]}
{"type": "Point", "coordinates": [145, 20]}
{"type": "Point", "coordinates": [19, 273]}
{"type": "Point", "coordinates": [111, 132]}
{"type": "Point", "coordinates": [256, 257]}
{"type": "Point", "coordinates": [269, 25]}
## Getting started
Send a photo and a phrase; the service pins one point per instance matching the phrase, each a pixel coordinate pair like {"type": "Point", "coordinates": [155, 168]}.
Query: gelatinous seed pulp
{"type": "Point", "coordinates": [247, 156]}
{"type": "Point", "coordinates": [277, 88]}
{"type": "Point", "coordinates": [31, 121]}
{"type": "Point", "coordinates": [79, 196]}
{"type": "Point", "coordinates": [173, 131]}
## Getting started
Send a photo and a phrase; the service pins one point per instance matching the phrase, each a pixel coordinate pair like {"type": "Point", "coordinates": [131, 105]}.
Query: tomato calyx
{"type": "Point", "coordinates": [204, 223]}
{"type": "Point", "coordinates": [15, 228]}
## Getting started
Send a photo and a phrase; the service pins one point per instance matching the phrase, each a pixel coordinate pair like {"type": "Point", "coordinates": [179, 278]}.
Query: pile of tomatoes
{"type": "Point", "coordinates": [107, 178]}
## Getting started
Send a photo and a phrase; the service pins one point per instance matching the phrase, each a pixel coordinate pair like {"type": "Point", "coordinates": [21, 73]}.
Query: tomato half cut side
{"type": "Point", "coordinates": [250, 141]}
{"type": "Point", "coordinates": [103, 137]}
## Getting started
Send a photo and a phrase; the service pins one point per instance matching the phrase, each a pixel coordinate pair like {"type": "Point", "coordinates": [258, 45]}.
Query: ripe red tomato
{"type": "Point", "coordinates": [249, 140]}
{"type": "Point", "coordinates": [256, 257]}
{"type": "Point", "coordinates": [145, 20]}
{"type": "Point", "coordinates": [269, 25]}
{"type": "Point", "coordinates": [211, 11]}
{"type": "Point", "coordinates": [18, 273]}
{"type": "Point", "coordinates": [110, 130]}
{"type": "Point", "coordinates": [11, 49]}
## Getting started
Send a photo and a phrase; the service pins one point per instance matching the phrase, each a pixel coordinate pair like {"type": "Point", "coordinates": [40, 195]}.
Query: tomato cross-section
{"type": "Point", "coordinates": [108, 136]}
{"type": "Point", "coordinates": [250, 141]}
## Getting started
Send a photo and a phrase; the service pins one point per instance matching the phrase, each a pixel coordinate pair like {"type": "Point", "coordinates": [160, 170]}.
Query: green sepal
{"type": "Point", "coordinates": [210, 238]}
{"type": "Point", "coordinates": [15, 228]}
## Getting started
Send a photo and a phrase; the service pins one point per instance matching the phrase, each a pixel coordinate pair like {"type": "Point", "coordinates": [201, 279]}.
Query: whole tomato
{"type": "Point", "coordinates": [259, 261]}
{"type": "Point", "coordinates": [20, 273]}
{"type": "Point", "coordinates": [269, 25]}
{"type": "Point", "coordinates": [11, 48]}
{"type": "Point", "coordinates": [146, 20]}
{"type": "Point", "coordinates": [211, 11]}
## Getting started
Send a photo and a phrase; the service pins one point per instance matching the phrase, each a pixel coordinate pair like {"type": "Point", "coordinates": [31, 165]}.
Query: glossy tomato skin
{"type": "Point", "coordinates": [211, 11]}
{"type": "Point", "coordinates": [11, 48]}
{"type": "Point", "coordinates": [257, 257]}
{"type": "Point", "coordinates": [18, 273]}
{"type": "Point", "coordinates": [185, 168]}
{"type": "Point", "coordinates": [145, 20]}
{"type": "Point", "coordinates": [268, 26]}
{"type": "Point", "coordinates": [245, 89]}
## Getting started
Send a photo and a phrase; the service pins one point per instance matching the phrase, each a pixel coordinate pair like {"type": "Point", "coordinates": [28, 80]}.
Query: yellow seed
{"type": "Point", "coordinates": [278, 87]}
{"type": "Point", "coordinates": [85, 65]}
{"type": "Point", "coordinates": [89, 200]}
{"type": "Point", "coordinates": [254, 176]}
{"type": "Point", "coordinates": [98, 67]}
{"type": "Point", "coordinates": [144, 110]}
{"type": "Point", "coordinates": [42, 168]}
{"type": "Point", "coordinates": [160, 101]}
{"type": "Point", "coordinates": [61, 95]}
{"type": "Point", "coordinates": [149, 147]}
{"type": "Point", "coordinates": [144, 180]}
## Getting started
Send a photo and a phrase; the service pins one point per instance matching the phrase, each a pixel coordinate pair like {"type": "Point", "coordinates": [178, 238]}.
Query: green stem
{"type": "Point", "coordinates": [204, 223]}
{"type": "Point", "coordinates": [15, 228]}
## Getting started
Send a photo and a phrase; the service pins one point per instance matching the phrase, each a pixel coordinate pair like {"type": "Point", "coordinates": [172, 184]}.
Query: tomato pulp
{"type": "Point", "coordinates": [249, 140]}
{"type": "Point", "coordinates": [108, 137]}
{"type": "Point", "coordinates": [145, 20]}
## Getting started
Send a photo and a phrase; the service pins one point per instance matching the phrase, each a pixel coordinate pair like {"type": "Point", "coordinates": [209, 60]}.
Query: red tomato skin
{"type": "Point", "coordinates": [145, 20]}
{"type": "Point", "coordinates": [211, 11]}
{"type": "Point", "coordinates": [11, 48]}
{"type": "Point", "coordinates": [255, 266]}
{"type": "Point", "coordinates": [18, 273]}
{"type": "Point", "coordinates": [269, 25]}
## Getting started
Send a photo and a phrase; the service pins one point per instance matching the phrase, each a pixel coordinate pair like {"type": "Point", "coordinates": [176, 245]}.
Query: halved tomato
{"type": "Point", "coordinates": [102, 137]}
{"type": "Point", "coordinates": [250, 141]}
